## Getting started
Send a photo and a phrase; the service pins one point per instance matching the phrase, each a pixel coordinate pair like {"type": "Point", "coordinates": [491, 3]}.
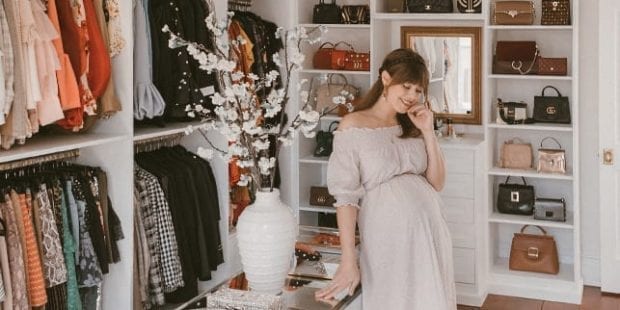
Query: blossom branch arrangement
{"type": "Point", "coordinates": [248, 121]}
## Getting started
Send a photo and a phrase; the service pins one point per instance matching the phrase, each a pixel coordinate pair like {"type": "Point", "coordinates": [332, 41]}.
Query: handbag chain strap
{"type": "Point", "coordinates": [552, 138]}
{"type": "Point", "coordinates": [517, 65]}
{"type": "Point", "coordinates": [331, 75]}
{"type": "Point", "coordinates": [552, 87]}
{"type": "Point", "coordinates": [541, 229]}
{"type": "Point", "coordinates": [508, 179]}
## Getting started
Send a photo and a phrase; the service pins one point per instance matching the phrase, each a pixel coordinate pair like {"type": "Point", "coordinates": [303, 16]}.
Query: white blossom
{"type": "Point", "coordinates": [261, 145]}
{"type": "Point", "coordinates": [265, 165]}
{"type": "Point", "coordinates": [191, 114]}
{"type": "Point", "coordinates": [339, 100]}
{"type": "Point", "coordinates": [244, 179]}
{"type": "Point", "coordinates": [237, 75]}
{"type": "Point", "coordinates": [232, 115]}
{"type": "Point", "coordinates": [276, 59]}
{"type": "Point", "coordinates": [310, 116]}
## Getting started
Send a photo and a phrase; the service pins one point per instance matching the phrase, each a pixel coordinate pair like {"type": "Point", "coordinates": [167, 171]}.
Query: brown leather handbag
{"type": "Point", "coordinates": [357, 61]}
{"type": "Point", "coordinates": [516, 57]}
{"type": "Point", "coordinates": [513, 12]}
{"type": "Point", "coordinates": [555, 12]}
{"type": "Point", "coordinates": [329, 58]}
{"type": "Point", "coordinates": [319, 196]}
{"type": "Point", "coordinates": [535, 253]}
{"type": "Point", "coordinates": [552, 66]}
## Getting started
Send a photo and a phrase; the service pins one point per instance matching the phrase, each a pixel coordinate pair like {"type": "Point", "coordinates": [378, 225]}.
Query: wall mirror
{"type": "Point", "coordinates": [453, 57]}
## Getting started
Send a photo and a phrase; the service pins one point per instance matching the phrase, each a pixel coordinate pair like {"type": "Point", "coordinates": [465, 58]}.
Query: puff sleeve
{"type": "Point", "coordinates": [343, 171]}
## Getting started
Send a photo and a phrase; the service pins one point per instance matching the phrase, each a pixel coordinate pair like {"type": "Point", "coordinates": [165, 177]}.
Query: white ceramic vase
{"type": "Point", "coordinates": [266, 232]}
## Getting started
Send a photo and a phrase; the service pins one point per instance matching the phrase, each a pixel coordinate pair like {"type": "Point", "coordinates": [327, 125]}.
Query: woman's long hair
{"type": "Point", "coordinates": [404, 66]}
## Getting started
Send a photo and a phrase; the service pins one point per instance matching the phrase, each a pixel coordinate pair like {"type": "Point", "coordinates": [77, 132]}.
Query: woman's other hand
{"type": "Point", "coordinates": [347, 278]}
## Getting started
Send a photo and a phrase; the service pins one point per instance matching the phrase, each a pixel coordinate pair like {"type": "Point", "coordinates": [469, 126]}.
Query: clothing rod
{"type": "Point", "coordinates": [16, 164]}
{"type": "Point", "coordinates": [159, 139]}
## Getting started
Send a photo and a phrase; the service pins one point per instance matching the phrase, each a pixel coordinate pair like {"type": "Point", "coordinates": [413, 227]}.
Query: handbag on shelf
{"type": "Point", "coordinates": [324, 140]}
{"type": "Point", "coordinates": [325, 93]}
{"type": "Point", "coordinates": [329, 57]}
{"type": "Point", "coordinates": [515, 198]}
{"type": "Point", "coordinates": [551, 109]}
{"type": "Point", "coordinates": [555, 12]}
{"type": "Point", "coordinates": [430, 6]}
{"type": "Point", "coordinates": [355, 61]}
{"type": "Point", "coordinates": [326, 13]}
{"type": "Point", "coordinates": [396, 6]}
{"type": "Point", "coordinates": [516, 57]}
{"type": "Point", "coordinates": [550, 209]}
{"type": "Point", "coordinates": [512, 113]}
{"type": "Point", "coordinates": [319, 196]}
{"type": "Point", "coordinates": [551, 160]}
{"type": "Point", "coordinates": [552, 66]}
{"type": "Point", "coordinates": [535, 253]}
{"type": "Point", "coordinates": [513, 12]}
{"type": "Point", "coordinates": [469, 6]}
{"type": "Point", "coordinates": [355, 14]}
{"type": "Point", "coordinates": [516, 154]}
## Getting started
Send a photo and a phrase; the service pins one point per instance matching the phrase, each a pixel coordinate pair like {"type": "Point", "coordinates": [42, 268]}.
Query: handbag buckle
{"type": "Point", "coordinates": [513, 13]}
{"type": "Point", "coordinates": [514, 196]}
{"type": "Point", "coordinates": [555, 5]}
{"type": "Point", "coordinates": [551, 110]}
{"type": "Point", "coordinates": [532, 252]}
{"type": "Point", "coordinates": [427, 7]}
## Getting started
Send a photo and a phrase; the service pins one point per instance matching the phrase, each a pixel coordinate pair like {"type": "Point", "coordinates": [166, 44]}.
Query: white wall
{"type": "Point", "coordinates": [588, 137]}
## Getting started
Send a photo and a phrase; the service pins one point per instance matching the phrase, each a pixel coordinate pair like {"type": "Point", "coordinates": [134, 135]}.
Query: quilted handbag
{"type": "Point", "coordinates": [326, 13]}
{"type": "Point", "coordinates": [515, 198]}
{"type": "Point", "coordinates": [319, 196]}
{"type": "Point", "coordinates": [513, 12]}
{"type": "Point", "coordinates": [555, 12]}
{"type": "Point", "coordinates": [430, 6]}
{"type": "Point", "coordinates": [552, 66]}
{"type": "Point", "coordinates": [551, 109]}
{"type": "Point", "coordinates": [516, 57]}
{"type": "Point", "coordinates": [536, 253]}
{"type": "Point", "coordinates": [551, 160]}
{"type": "Point", "coordinates": [469, 6]}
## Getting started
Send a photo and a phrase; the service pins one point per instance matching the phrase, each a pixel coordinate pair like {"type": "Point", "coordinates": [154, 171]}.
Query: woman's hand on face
{"type": "Point", "coordinates": [421, 117]}
{"type": "Point", "coordinates": [347, 278]}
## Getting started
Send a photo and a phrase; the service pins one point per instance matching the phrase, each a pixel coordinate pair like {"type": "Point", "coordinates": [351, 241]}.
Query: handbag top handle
{"type": "Point", "coordinates": [330, 129]}
{"type": "Point", "coordinates": [541, 229]}
{"type": "Point", "coordinates": [515, 140]}
{"type": "Point", "coordinates": [549, 86]}
{"type": "Point", "coordinates": [508, 179]}
{"type": "Point", "coordinates": [333, 46]}
{"type": "Point", "coordinates": [345, 43]}
{"type": "Point", "coordinates": [552, 138]}
{"type": "Point", "coordinates": [331, 75]}
{"type": "Point", "coordinates": [323, 2]}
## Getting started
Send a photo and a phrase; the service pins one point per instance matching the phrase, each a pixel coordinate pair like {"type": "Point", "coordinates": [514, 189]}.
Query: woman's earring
{"type": "Point", "coordinates": [384, 94]}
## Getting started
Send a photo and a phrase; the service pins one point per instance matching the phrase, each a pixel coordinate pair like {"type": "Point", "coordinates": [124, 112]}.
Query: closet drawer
{"type": "Point", "coordinates": [463, 235]}
{"type": "Point", "coordinates": [464, 265]}
{"type": "Point", "coordinates": [459, 186]}
{"type": "Point", "coordinates": [458, 210]}
{"type": "Point", "coordinates": [459, 161]}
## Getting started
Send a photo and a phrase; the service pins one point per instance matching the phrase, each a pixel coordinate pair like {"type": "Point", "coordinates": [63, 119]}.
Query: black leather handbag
{"type": "Point", "coordinates": [326, 13]}
{"type": "Point", "coordinates": [430, 6]}
{"type": "Point", "coordinates": [469, 6]}
{"type": "Point", "coordinates": [516, 198]}
{"type": "Point", "coordinates": [551, 109]}
{"type": "Point", "coordinates": [324, 140]}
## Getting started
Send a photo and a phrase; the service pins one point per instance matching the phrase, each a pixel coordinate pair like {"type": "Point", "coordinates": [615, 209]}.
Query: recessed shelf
{"type": "Point", "coordinates": [43, 144]}
{"type": "Point", "coordinates": [500, 271]}
{"type": "Point", "coordinates": [537, 127]}
{"type": "Point", "coordinates": [314, 160]}
{"type": "Point", "coordinates": [338, 26]}
{"type": "Point", "coordinates": [317, 209]}
{"type": "Point", "coordinates": [321, 71]}
{"type": "Point", "coordinates": [430, 16]}
{"type": "Point", "coordinates": [528, 220]}
{"type": "Point", "coordinates": [530, 27]}
{"type": "Point", "coordinates": [143, 133]}
{"type": "Point", "coordinates": [530, 174]}
{"type": "Point", "coordinates": [530, 77]}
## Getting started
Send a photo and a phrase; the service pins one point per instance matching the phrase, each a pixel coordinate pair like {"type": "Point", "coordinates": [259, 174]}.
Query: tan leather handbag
{"type": "Point", "coordinates": [516, 154]}
{"type": "Point", "coordinates": [551, 160]}
{"type": "Point", "coordinates": [536, 253]}
{"type": "Point", "coordinates": [325, 93]}
{"type": "Point", "coordinates": [513, 12]}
